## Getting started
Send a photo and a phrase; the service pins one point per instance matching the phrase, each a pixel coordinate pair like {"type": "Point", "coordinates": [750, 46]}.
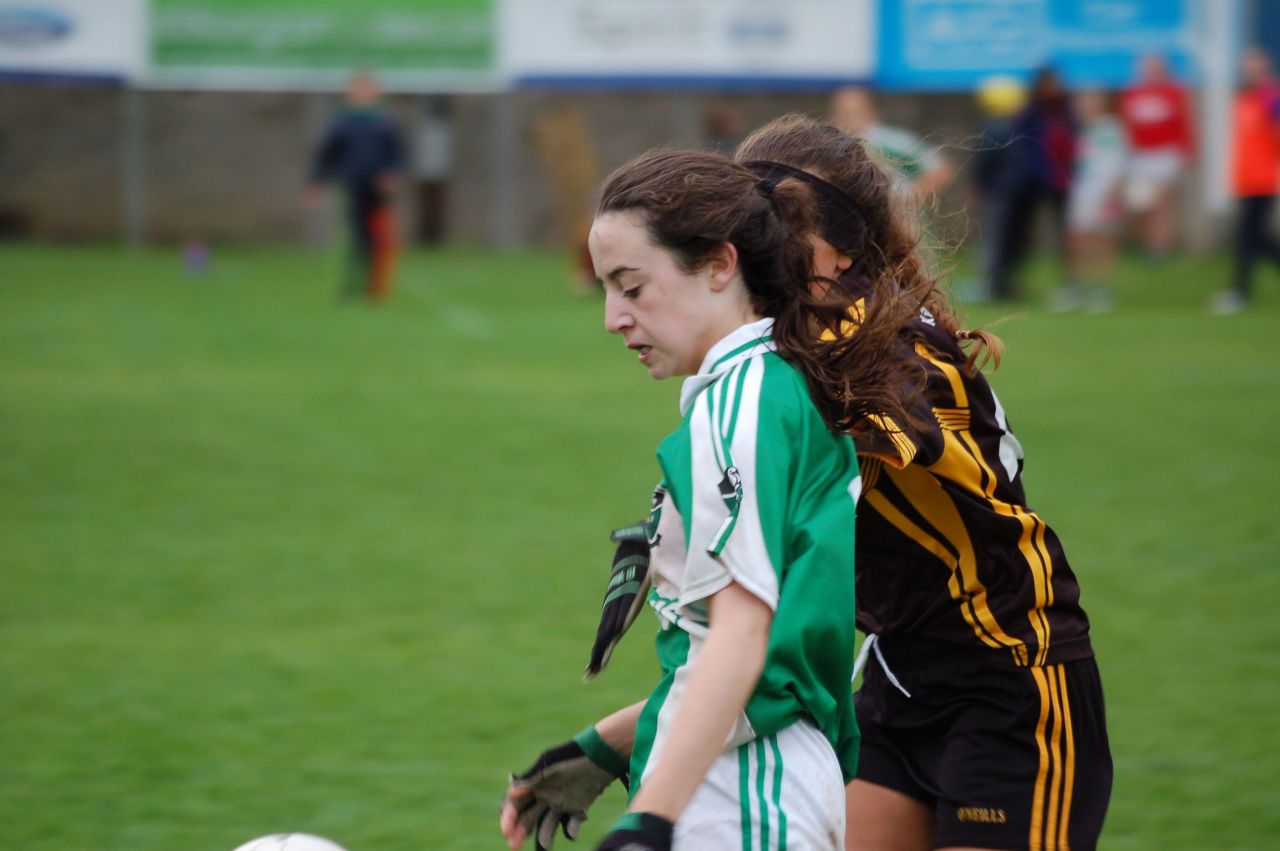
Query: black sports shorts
{"type": "Point", "coordinates": [1006, 757]}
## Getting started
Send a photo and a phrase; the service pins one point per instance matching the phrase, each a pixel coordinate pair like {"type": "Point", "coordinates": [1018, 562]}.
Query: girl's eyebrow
{"type": "Point", "coordinates": [613, 276]}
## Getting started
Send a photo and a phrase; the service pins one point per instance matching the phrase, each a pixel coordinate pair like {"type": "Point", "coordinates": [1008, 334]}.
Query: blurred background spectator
{"type": "Point", "coordinates": [1006, 180]}
{"type": "Point", "coordinates": [1094, 204]}
{"type": "Point", "coordinates": [363, 151]}
{"type": "Point", "coordinates": [1049, 124]}
{"type": "Point", "coordinates": [918, 169]}
{"type": "Point", "coordinates": [563, 142]}
{"type": "Point", "coordinates": [432, 167]}
{"type": "Point", "coordinates": [1158, 119]}
{"type": "Point", "coordinates": [723, 127]}
{"type": "Point", "coordinates": [1255, 175]}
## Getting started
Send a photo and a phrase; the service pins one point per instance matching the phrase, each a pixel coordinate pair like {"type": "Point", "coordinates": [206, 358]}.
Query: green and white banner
{"type": "Point", "coordinates": [447, 44]}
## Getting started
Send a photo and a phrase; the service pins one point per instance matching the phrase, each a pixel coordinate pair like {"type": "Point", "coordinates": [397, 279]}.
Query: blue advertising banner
{"type": "Point", "coordinates": [944, 45]}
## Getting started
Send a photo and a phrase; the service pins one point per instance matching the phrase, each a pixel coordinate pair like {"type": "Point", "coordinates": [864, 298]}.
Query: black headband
{"type": "Point", "coordinates": [843, 224]}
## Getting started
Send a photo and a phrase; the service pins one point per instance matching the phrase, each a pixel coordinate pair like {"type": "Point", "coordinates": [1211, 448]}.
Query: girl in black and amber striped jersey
{"type": "Point", "coordinates": [981, 709]}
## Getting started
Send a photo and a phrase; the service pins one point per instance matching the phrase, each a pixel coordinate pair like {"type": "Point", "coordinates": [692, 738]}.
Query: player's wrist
{"type": "Point", "coordinates": [640, 830]}
{"type": "Point", "coordinates": [601, 752]}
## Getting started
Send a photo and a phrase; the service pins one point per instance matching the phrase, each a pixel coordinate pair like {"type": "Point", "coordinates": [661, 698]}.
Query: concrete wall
{"type": "Point", "coordinates": [232, 166]}
{"type": "Point", "coordinates": [60, 157]}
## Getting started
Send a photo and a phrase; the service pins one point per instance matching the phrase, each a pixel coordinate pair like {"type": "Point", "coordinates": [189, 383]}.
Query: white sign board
{"type": "Point", "coordinates": [95, 39]}
{"type": "Point", "coordinates": [673, 41]}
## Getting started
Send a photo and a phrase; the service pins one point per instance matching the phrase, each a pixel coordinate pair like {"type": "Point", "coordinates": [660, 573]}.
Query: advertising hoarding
{"type": "Point", "coordinates": [412, 44]}
{"type": "Point", "coordinates": [726, 43]}
{"type": "Point", "coordinates": [942, 45]}
{"type": "Point", "coordinates": [87, 40]}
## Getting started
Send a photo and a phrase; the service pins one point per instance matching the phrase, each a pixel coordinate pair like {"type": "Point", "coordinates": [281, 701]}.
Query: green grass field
{"type": "Point", "coordinates": [270, 563]}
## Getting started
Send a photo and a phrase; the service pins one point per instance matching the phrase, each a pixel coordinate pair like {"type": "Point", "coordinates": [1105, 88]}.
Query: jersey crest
{"type": "Point", "coordinates": [731, 492]}
{"type": "Point", "coordinates": [655, 516]}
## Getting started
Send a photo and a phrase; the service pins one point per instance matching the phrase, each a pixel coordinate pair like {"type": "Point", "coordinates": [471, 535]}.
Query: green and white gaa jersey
{"type": "Point", "coordinates": [756, 490]}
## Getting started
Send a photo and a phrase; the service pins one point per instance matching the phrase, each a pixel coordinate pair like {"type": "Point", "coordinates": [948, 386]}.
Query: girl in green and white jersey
{"type": "Point", "coordinates": [749, 737]}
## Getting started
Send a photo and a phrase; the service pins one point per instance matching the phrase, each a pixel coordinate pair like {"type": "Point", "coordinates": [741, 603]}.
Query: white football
{"type": "Point", "coordinates": [290, 842]}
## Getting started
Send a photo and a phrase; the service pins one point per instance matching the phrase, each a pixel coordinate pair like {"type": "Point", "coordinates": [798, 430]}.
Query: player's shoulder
{"type": "Point", "coordinates": [783, 381]}
{"type": "Point", "coordinates": [938, 341]}
{"type": "Point", "coordinates": [773, 374]}
{"type": "Point", "coordinates": [782, 401]}
{"type": "Point", "coordinates": [762, 385]}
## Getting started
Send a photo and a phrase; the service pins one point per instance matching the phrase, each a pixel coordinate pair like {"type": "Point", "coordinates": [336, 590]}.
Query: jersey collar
{"type": "Point", "coordinates": [745, 342]}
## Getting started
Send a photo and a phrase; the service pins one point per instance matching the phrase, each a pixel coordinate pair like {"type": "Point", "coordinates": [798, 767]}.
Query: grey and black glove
{"type": "Point", "coordinates": [639, 832]}
{"type": "Point", "coordinates": [624, 598]}
{"type": "Point", "coordinates": [564, 782]}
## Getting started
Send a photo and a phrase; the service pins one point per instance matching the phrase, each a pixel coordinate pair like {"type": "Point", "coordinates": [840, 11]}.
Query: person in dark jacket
{"type": "Point", "coordinates": [1006, 177]}
{"type": "Point", "coordinates": [362, 150]}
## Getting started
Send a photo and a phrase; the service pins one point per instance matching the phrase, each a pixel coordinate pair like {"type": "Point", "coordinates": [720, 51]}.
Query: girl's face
{"type": "Point", "coordinates": [668, 316]}
{"type": "Point", "coordinates": [828, 261]}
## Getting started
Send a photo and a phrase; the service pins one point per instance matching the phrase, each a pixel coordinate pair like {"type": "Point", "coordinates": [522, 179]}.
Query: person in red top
{"type": "Point", "coordinates": [1255, 174]}
{"type": "Point", "coordinates": [1157, 119]}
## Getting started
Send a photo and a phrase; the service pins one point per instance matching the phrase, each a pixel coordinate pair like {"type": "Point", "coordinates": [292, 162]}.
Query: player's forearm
{"type": "Point", "coordinates": [722, 680]}
{"type": "Point", "coordinates": [619, 729]}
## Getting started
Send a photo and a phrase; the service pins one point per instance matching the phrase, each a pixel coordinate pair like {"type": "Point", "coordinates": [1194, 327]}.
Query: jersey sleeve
{"type": "Point", "coordinates": [883, 438]}
{"type": "Point", "coordinates": [737, 517]}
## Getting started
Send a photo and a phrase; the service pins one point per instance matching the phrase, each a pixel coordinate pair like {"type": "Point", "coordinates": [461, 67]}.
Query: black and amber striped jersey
{"type": "Point", "coordinates": [947, 547]}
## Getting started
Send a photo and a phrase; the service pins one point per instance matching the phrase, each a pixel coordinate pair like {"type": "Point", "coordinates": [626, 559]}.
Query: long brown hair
{"type": "Point", "coordinates": [884, 247]}
{"type": "Point", "coordinates": [694, 202]}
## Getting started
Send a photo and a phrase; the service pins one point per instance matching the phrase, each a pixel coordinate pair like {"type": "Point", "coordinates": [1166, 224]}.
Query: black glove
{"type": "Point", "coordinates": [638, 832]}
{"type": "Point", "coordinates": [564, 782]}
{"type": "Point", "coordinates": [626, 594]}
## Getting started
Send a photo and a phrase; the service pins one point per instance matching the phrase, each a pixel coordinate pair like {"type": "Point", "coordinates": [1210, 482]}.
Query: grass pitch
{"type": "Point", "coordinates": [273, 563]}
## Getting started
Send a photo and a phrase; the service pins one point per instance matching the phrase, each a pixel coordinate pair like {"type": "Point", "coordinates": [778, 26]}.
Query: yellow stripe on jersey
{"type": "Point", "coordinates": [953, 419]}
{"type": "Point", "coordinates": [1038, 614]}
{"type": "Point", "coordinates": [968, 468]}
{"type": "Point", "coordinates": [870, 469]}
{"type": "Point", "coordinates": [904, 448]}
{"type": "Point", "coordinates": [953, 375]}
{"type": "Point", "coordinates": [850, 326]}
{"type": "Point", "coordinates": [929, 499]}
{"type": "Point", "coordinates": [1027, 543]}
{"type": "Point", "coordinates": [934, 546]}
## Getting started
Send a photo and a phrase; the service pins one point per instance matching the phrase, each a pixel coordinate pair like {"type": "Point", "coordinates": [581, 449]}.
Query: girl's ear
{"type": "Point", "coordinates": [722, 268]}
